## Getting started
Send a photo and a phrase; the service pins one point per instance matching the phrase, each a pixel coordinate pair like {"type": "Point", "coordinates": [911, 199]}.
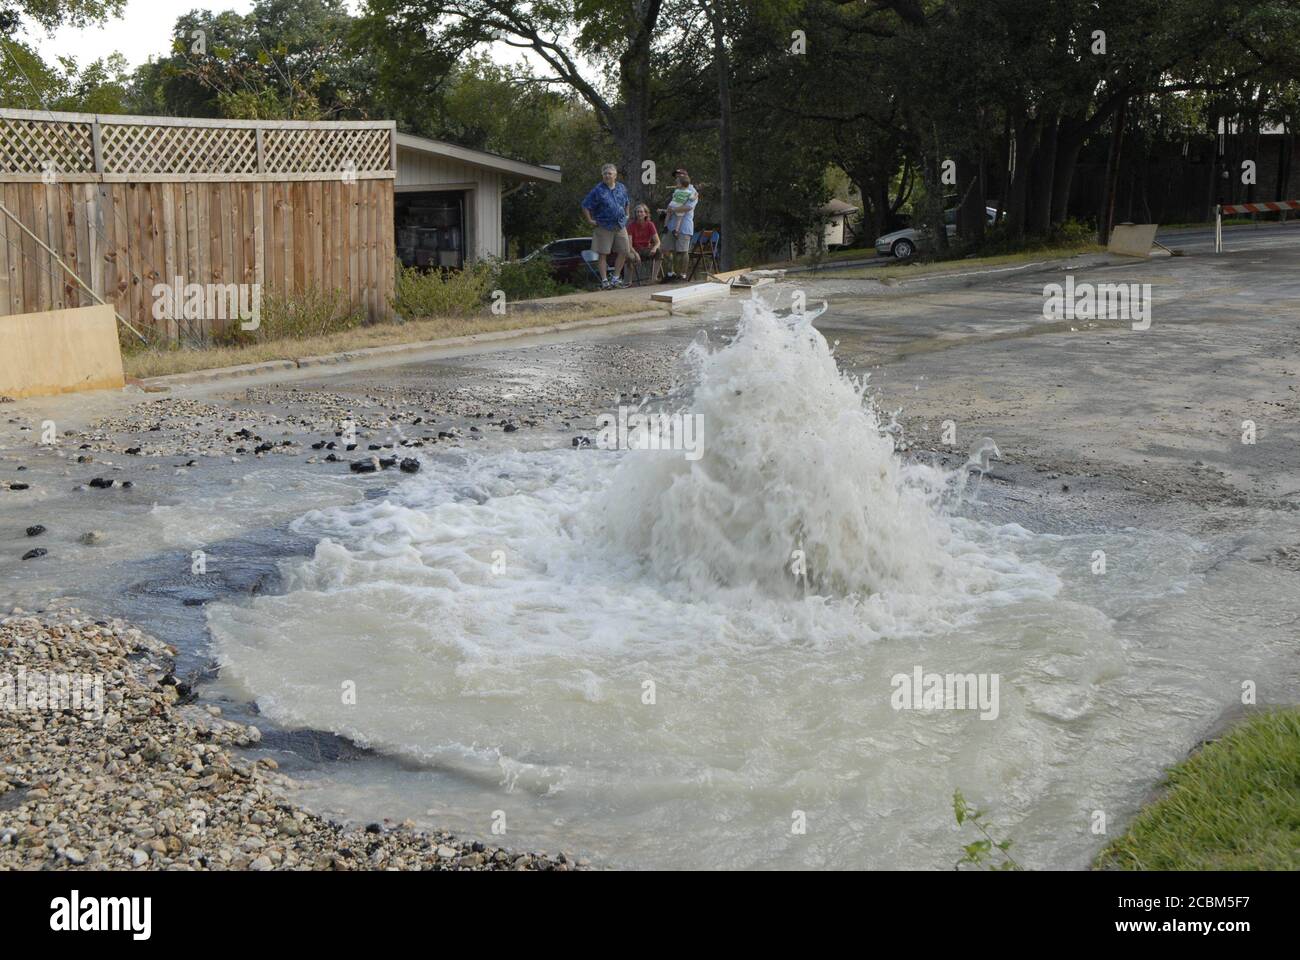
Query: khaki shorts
{"type": "Point", "coordinates": [678, 242]}
{"type": "Point", "coordinates": [604, 240]}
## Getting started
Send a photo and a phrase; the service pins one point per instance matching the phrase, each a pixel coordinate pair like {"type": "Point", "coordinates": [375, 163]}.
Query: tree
{"type": "Point", "coordinates": [56, 13]}
{"type": "Point", "coordinates": [285, 59]}
{"type": "Point", "coordinates": [617, 35]}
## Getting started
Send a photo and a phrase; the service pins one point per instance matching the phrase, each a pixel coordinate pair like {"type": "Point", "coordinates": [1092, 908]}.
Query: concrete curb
{"type": "Point", "coordinates": [219, 373]}
{"type": "Point", "coordinates": [392, 349]}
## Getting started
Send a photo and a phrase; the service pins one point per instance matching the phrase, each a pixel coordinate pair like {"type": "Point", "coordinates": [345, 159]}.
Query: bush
{"type": "Point", "coordinates": [1074, 231]}
{"type": "Point", "coordinates": [524, 280]}
{"type": "Point", "coordinates": [297, 316]}
{"type": "Point", "coordinates": [433, 293]}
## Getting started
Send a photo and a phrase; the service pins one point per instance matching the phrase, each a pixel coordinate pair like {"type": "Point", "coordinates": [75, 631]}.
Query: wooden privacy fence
{"type": "Point", "coordinates": [127, 203]}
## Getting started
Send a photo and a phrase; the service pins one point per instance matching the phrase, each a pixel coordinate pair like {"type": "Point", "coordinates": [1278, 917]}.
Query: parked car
{"type": "Point", "coordinates": [566, 259]}
{"type": "Point", "coordinates": [902, 244]}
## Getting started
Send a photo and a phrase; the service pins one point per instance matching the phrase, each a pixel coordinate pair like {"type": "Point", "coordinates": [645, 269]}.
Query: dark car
{"type": "Point", "coordinates": [566, 259]}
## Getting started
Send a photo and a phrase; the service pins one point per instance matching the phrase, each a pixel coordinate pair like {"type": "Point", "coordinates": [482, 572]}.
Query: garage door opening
{"type": "Point", "coordinates": [430, 228]}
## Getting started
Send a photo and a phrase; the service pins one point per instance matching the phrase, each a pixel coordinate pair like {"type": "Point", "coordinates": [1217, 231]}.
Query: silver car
{"type": "Point", "coordinates": [902, 244]}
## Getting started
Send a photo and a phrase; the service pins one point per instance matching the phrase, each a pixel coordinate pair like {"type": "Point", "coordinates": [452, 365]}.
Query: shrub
{"type": "Point", "coordinates": [296, 316]}
{"type": "Point", "coordinates": [433, 293]}
{"type": "Point", "coordinates": [1074, 231]}
{"type": "Point", "coordinates": [524, 280]}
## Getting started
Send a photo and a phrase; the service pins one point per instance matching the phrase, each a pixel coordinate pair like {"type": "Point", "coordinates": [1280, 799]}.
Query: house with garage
{"type": "Point", "coordinates": [108, 209]}
{"type": "Point", "coordinates": [447, 200]}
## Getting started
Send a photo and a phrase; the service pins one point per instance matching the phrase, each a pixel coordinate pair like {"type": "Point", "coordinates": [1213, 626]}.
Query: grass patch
{"type": "Point", "coordinates": [1233, 805]}
{"type": "Point", "coordinates": [141, 361]}
{"type": "Point", "coordinates": [940, 267]}
{"type": "Point", "coordinates": [1262, 219]}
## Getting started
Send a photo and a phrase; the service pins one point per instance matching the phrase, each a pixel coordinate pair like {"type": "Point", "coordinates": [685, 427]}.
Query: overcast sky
{"type": "Point", "coordinates": [145, 29]}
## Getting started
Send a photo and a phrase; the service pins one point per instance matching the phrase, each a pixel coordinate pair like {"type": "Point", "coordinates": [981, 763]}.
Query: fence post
{"type": "Point", "coordinates": [1218, 228]}
{"type": "Point", "coordinates": [97, 145]}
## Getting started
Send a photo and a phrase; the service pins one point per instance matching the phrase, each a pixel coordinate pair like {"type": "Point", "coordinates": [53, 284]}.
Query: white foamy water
{"type": "Point", "coordinates": [611, 648]}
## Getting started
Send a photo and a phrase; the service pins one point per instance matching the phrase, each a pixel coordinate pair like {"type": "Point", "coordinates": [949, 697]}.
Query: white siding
{"type": "Point", "coordinates": [416, 170]}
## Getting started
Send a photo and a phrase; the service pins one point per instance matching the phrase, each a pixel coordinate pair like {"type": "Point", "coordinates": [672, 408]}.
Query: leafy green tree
{"type": "Point", "coordinates": [285, 59]}
{"type": "Point", "coordinates": [616, 37]}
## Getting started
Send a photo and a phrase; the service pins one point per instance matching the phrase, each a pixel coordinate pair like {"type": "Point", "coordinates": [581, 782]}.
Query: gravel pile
{"type": "Point", "coordinates": [103, 765]}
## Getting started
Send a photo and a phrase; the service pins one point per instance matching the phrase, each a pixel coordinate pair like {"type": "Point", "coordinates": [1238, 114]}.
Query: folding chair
{"type": "Point", "coordinates": [590, 257]}
{"type": "Point", "coordinates": [704, 249]}
{"type": "Point", "coordinates": [634, 269]}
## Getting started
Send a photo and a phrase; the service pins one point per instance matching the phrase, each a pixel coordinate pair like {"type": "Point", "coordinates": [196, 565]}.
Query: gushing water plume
{"type": "Point", "coordinates": [795, 467]}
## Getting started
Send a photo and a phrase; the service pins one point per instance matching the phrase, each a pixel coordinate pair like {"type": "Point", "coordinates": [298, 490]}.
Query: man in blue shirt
{"type": "Point", "coordinates": [606, 209]}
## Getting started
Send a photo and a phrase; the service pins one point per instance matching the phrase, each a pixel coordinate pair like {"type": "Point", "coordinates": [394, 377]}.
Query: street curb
{"type": "Point", "coordinates": [219, 373]}
{"type": "Point", "coordinates": [365, 353]}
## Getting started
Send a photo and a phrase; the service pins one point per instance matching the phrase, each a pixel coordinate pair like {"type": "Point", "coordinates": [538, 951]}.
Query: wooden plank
{"type": "Point", "coordinates": [105, 216]}
{"type": "Point", "coordinates": [230, 246]}
{"type": "Point", "coordinates": [212, 233]}
{"type": "Point", "coordinates": [336, 217]}
{"type": "Point", "coordinates": [315, 205]}
{"type": "Point", "coordinates": [298, 232]}
{"type": "Point", "coordinates": [54, 237]}
{"type": "Point", "coordinates": [94, 242]}
{"type": "Point", "coordinates": [273, 249]}
{"type": "Point", "coordinates": [387, 249]}
{"type": "Point", "coordinates": [354, 243]}
{"type": "Point", "coordinates": [157, 253]}
{"type": "Point", "coordinates": [285, 238]}
{"type": "Point", "coordinates": [698, 291]}
{"type": "Point", "coordinates": [124, 208]}
{"type": "Point", "coordinates": [212, 325]}
{"type": "Point", "coordinates": [136, 214]}
{"type": "Point", "coordinates": [60, 351]}
{"type": "Point", "coordinates": [259, 192]}
{"type": "Point", "coordinates": [372, 252]}
{"type": "Point", "coordinates": [29, 250]}
{"type": "Point", "coordinates": [248, 207]}
{"type": "Point", "coordinates": [18, 263]}
{"type": "Point", "coordinates": [180, 236]}
{"type": "Point", "coordinates": [7, 271]}
{"type": "Point", "coordinates": [74, 246]}
{"type": "Point", "coordinates": [170, 268]}
{"type": "Point", "coordinates": [193, 259]}
{"type": "Point", "coordinates": [86, 240]}
{"type": "Point", "coordinates": [39, 225]}
{"type": "Point", "coordinates": [365, 275]}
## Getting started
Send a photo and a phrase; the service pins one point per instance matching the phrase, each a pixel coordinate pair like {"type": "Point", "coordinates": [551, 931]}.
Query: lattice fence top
{"type": "Point", "coordinates": [309, 151]}
{"type": "Point", "coordinates": [141, 149]}
{"type": "Point", "coordinates": [30, 146]}
{"type": "Point", "coordinates": [70, 146]}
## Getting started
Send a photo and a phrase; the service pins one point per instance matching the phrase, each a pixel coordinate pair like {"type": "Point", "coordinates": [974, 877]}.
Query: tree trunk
{"type": "Point", "coordinates": [1025, 131]}
{"type": "Point", "coordinates": [1068, 144]}
{"type": "Point", "coordinates": [1038, 220]}
{"type": "Point", "coordinates": [934, 196]}
{"type": "Point", "coordinates": [970, 202]}
{"type": "Point", "coordinates": [632, 134]}
{"type": "Point", "coordinates": [1107, 218]}
{"type": "Point", "coordinates": [1285, 151]}
{"type": "Point", "coordinates": [721, 59]}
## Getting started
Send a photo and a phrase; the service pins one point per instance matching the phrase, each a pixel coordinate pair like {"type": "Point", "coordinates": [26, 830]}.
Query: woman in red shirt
{"type": "Point", "coordinates": [645, 240]}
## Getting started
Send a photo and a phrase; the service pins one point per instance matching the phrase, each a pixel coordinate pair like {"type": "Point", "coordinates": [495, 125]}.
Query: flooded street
{"type": "Point", "coordinates": [664, 661]}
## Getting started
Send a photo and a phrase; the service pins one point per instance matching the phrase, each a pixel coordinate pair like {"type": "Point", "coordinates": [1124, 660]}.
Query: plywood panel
{"type": "Point", "coordinates": [59, 351]}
